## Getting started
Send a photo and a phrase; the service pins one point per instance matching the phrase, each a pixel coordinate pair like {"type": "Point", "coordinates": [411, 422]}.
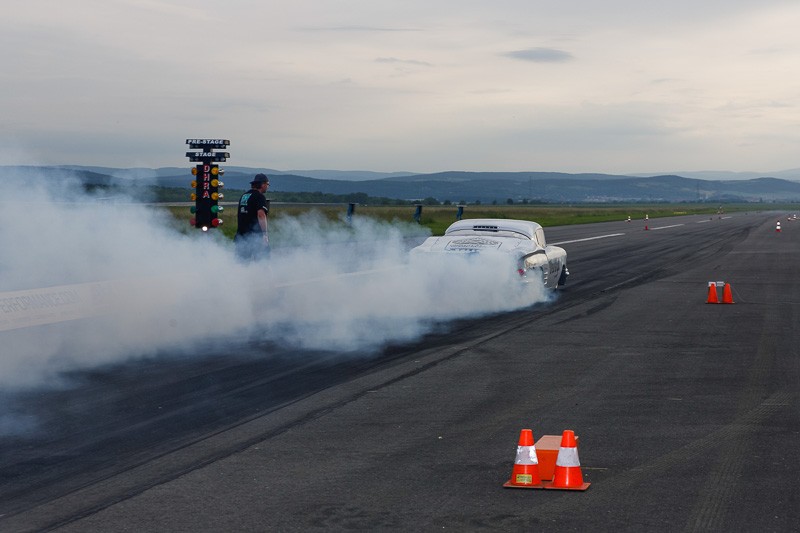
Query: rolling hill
{"type": "Point", "coordinates": [455, 186]}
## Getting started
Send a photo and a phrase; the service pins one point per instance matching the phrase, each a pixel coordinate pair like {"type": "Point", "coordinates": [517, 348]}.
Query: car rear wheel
{"type": "Point", "coordinates": [562, 280]}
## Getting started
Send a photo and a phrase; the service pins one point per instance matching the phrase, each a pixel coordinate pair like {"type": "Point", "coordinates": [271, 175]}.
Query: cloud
{"type": "Point", "coordinates": [368, 29]}
{"type": "Point", "coordinates": [541, 55]}
{"type": "Point", "coordinates": [402, 61]}
{"type": "Point", "coordinates": [83, 86]}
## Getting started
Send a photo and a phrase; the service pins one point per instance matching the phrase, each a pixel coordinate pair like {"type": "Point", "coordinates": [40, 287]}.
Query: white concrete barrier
{"type": "Point", "coordinates": [36, 307]}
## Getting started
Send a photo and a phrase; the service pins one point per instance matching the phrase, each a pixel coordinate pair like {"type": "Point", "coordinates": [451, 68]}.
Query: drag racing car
{"type": "Point", "coordinates": [521, 241]}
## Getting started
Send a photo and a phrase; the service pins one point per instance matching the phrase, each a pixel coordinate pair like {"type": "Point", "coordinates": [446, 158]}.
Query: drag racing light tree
{"type": "Point", "coordinates": [206, 184]}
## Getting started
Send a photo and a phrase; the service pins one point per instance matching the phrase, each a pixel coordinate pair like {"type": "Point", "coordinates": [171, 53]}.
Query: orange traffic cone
{"type": "Point", "coordinates": [713, 297]}
{"type": "Point", "coordinates": [727, 297]}
{"type": "Point", "coordinates": [567, 475]}
{"type": "Point", "coordinates": [525, 474]}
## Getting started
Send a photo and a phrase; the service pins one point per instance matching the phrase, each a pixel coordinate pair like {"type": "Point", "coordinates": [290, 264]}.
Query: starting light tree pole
{"type": "Point", "coordinates": [206, 184]}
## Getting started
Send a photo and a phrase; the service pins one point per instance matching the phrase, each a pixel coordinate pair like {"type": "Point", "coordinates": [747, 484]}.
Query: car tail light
{"type": "Point", "coordinates": [521, 271]}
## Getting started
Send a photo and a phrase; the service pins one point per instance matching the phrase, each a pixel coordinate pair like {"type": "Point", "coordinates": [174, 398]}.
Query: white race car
{"type": "Point", "coordinates": [520, 240]}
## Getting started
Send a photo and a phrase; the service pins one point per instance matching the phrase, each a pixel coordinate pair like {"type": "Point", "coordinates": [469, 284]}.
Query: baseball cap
{"type": "Point", "coordinates": [259, 179]}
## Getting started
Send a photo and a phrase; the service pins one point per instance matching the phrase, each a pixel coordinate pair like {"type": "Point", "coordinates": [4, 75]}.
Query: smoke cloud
{"type": "Point", "coordinates": [347, 287]}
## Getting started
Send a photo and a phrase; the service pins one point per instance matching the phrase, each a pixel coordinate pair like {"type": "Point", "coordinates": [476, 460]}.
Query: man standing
{"type": "Point", "coordinates": [252, 238]}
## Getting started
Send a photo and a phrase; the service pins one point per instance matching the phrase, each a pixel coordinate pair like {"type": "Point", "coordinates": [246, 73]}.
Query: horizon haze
{"type": "Point", "coordinates": [792, 174]}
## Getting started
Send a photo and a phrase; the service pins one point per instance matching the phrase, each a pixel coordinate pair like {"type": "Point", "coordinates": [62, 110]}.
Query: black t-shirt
{"type": "Point", "coordinates": [249, 205]}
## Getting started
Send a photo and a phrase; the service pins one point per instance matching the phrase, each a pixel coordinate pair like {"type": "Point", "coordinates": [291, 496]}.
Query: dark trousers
{"type": "Point", "coordinates": [250, 247]}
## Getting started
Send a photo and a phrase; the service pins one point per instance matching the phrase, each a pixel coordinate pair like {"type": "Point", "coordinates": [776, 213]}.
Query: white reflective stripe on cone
{"type": "Point", "coordinates": [568, 457]}
{"type": "Point", "coordinates": [526, 455]}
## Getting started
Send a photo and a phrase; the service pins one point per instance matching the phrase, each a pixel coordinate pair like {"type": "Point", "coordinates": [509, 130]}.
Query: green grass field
{"type": "Point", "coordinates": [437, 218]}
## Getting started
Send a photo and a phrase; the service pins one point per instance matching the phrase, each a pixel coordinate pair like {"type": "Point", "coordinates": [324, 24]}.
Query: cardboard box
{"type": "Point", "coordinates": [547, 452]}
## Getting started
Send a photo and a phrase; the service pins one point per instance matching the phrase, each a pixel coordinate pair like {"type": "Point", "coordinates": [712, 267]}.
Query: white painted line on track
{"type": "Point", "coordinates": [587, 239]}
{"type": "Point", "coordinates": [665, 227]}
{"type": "Point", "coordinates": [703, 221]}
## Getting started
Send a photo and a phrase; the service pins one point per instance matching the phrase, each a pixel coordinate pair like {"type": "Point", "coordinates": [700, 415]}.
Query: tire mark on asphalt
{"type": "Point", "coordinates": [131, 481]}
{"type": "Point", "coordinates": [709, 513]}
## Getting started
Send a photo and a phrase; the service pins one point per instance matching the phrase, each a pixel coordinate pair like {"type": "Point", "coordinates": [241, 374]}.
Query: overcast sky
{"type": "Point", "coordinates": [618, 86]}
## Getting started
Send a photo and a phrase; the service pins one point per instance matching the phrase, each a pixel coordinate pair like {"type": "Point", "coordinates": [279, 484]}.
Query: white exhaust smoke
{"type": "Point", "coordinates": [332, 286]}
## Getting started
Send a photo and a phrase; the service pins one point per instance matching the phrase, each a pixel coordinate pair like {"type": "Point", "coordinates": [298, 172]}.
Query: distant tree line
{"type": "Point", "coordinates": [180, 194]}
{"type": "Point", "coordinates": [169, 194]}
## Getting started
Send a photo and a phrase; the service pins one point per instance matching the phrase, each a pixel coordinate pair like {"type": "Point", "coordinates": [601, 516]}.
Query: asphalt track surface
{"type": "Point", "coordinates": [687, 413]}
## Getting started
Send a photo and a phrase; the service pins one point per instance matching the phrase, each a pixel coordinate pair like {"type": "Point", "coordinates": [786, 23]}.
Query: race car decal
{"type": "Point", "coordinates": [471, 244]}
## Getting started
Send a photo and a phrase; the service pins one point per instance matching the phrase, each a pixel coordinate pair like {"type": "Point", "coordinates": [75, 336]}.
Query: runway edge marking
{"type": "Point", "coordinates": [587, 239]}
